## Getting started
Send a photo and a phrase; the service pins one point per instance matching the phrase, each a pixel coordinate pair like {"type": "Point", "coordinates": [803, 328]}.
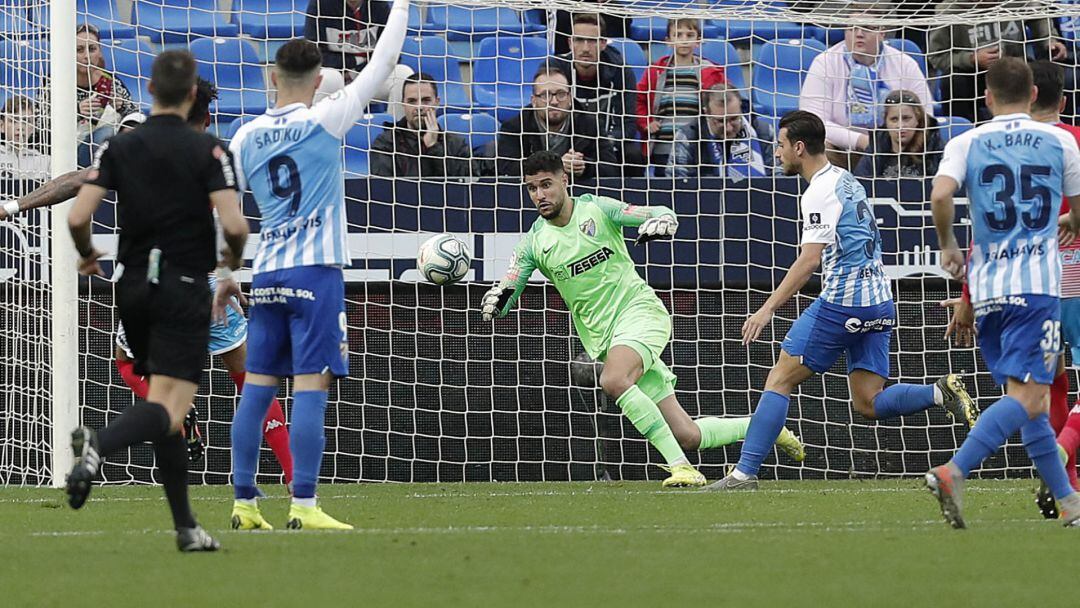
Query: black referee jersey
{"type": "Point", "coordinates": [163, 173]}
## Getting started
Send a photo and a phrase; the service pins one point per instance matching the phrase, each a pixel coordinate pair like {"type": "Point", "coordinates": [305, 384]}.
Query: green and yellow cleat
{"type": "Point", "coordinates": [313, 518]}
{"type": "Point", "coordinates": [248, 517]}
{"type": "Point", "coordinates": [956, 400]}
{"type": "Point", "coordinates": [790, 445]}
{"type": "Point", "coordinates": [683, 476]}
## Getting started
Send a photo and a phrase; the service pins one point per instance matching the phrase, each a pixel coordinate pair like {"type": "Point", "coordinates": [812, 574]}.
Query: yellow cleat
{"type": "Point", "coordinates": [248, 517]}
{"type": "Point", "coordinates": [313, 518]}
{"type": "Point", "coordinates": [790, 445]}
{"type": "Point", "coordinates": [955, 399]}
{"type": "Point", "coordinates": [683, 476]}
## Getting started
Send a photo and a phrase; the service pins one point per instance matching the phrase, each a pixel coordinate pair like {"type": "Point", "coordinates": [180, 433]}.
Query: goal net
{"type": "Point", "coordinates": [436, 394]}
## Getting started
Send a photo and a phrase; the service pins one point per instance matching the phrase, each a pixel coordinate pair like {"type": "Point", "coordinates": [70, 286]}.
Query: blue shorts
{"type": "Point", "coordinates": [1020, 337]}
{"type": "Point", "coordinates": [1070, 326]}
{"type": "Point", "coordinates": [298, 323]}
{"type": "Point", "coordinates": [824, 331]}
{"type": "Point", "coordinates": [224, 338]}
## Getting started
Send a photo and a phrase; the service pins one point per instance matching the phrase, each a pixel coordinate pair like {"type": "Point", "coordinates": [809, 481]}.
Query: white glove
{"type": "Point", "coordinates": [657, 228]}
{"type": "Point", "coordinates": [10, 209]}
{"type": "Point", "coordinates": [492, 302]}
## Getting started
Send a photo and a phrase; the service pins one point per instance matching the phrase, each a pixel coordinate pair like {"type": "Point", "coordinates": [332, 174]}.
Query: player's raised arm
{"type": "Point", "coordinates": [340, 111]}
{"type": "Point", "coordinates": [501, 298]}
{"type": "Point", "coordinates": [656, 221]}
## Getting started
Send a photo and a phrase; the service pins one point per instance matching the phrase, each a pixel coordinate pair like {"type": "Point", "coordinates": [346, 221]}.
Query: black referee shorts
{"type": "Point", "coordinates": [167, 324]}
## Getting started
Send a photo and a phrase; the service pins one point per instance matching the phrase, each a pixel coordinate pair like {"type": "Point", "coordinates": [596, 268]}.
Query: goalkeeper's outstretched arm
{"type": "Point", "coordinates": [501, 298]}
{"type": "Point", "coordinates": [52, 192]}
{"type": "Point", "coordinates": [655, 221]}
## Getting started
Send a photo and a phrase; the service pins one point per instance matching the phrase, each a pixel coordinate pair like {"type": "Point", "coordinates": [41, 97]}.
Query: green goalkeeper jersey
{"type": "Point", "coordinates": [589, 265]}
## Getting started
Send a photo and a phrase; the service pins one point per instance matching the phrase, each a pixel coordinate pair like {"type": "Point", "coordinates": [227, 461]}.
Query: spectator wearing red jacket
{"type": "Point", "coordinates": [669, 94]}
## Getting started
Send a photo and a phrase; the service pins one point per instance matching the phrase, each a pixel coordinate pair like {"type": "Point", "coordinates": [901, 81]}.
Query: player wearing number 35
{"type": "Point", "coordinates": [291, 159]}
{"type": "Point", "coordinates": [853, 315]}
{"type": "Point", "coordinates": [1015, 171]}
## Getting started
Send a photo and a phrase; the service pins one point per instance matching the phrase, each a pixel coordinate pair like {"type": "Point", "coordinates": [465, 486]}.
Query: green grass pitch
{"type": "Point", "coordinates": [833, 544]}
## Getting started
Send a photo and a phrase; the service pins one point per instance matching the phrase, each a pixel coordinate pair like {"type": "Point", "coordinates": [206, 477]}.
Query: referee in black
{"type": "Point", "coordinates": [168, 179]}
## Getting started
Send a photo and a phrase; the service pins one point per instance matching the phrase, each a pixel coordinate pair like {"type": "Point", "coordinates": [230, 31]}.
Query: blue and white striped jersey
{"type": "Point", "coordinates": [1015, 171]}
{"type": "Point", "coordinates": [290, 158]}
{"type": "Point", "coordinates": [836, 213]}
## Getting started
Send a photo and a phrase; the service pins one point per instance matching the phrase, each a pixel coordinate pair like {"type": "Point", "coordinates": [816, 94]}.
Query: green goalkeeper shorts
{"type": "Point", "coordinates": [646, 328]}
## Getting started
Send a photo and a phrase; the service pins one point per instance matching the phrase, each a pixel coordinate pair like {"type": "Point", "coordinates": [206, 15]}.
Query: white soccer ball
{"type": "Point", "coordinates": [443, 259]}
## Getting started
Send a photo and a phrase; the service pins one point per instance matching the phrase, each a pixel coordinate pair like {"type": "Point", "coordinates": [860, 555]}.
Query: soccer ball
{"type": "Point", "coordinates": [443, 259]}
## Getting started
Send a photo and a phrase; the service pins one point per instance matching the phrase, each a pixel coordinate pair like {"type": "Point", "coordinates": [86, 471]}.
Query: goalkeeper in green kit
{"type": "Point", "coordinates": [577, 243]}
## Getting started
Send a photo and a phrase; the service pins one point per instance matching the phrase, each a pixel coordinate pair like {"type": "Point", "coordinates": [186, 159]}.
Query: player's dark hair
{"type": "Point", "coordinates": [420, 78]}
{"type": "Point", "coordinates": [805, 127]}
{"type": "Point", "coordinates": [1009, 79]}
{"type": "Point", "coordinates": [205, 94]}
{"type": "Point", "coordinates": [1049, 78]}
{"type": "Point", "coordinates": [542, 161]}
{"type": "Point", "coordinates": [298, 58]}
{"type": "Point", "coordinates": [172, 76]}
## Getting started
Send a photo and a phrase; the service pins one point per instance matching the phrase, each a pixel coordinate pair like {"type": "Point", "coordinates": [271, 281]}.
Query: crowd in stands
{"type": "Point", "coordinates": [684, 115]}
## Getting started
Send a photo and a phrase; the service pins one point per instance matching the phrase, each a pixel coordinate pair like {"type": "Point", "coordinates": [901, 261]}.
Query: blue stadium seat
{"type": "Point", "coordinates": [633, 55]}
{"type": "Point", "coordinates": [534, 20]}
{"type": "Point", "coordinates": [431, 55]}
{"type": "Point", "coordinates": [477, 129]}
{"type": "Point", "coordinates": [17, 21]}
{"type": "Point", "coordinates": [235, 125]}
{"type": "Point", "coordinates": [951, 126]}
{"type": "Point", "coordinates": [720, 52]}
{"type": "Point", "coordinates": [358, 142]}
{"type": "Point", "coordinates": [759, 30]}
{"type": "Point", "coordinates": [233, 65]}
{"type": "Point", "coordinates": [503, 73]}
{"type": "Point", "coordinates": [911, 48]}
{"type": "Point", "coordinates": [104, 15]}
{"type": "Point", "coordinates": [654, 29]}
{"type": "Point", "coordinates": [130, 60]}
{"type": "Point", "coordinates": [270, 19]}
{"type": "Point", "coordinates": [778, 73]}
{"type": "Point", "coordinates": [179, 20]}
{"type": "Point", "coordinates": [464, 23]}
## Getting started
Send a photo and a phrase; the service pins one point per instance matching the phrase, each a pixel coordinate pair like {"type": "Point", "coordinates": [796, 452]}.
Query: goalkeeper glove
{"type": "Point", "coordinates": [494, 301]}
{"type": "Point", "coordinates": [657, 228]}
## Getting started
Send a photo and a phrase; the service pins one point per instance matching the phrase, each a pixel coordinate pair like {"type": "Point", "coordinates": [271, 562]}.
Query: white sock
{"type": "Point", "coordinates": [304, 502]}
{"type": "Point", "coordinates": [938, 397]}
{"type": "Point", "coordinates": [678, 461]}
{"type": "Point", "coordinates": [737, 474]}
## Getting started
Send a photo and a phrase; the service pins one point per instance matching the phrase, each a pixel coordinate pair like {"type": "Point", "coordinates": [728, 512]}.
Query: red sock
{"type": "Point", "coordinates": [1069, 438]}
{"type": "Point", "coordinates": [274, 431]}
{"type": "Point", "coordinates": [135, 382]}
{"type": "Point", "coordinates": [1059, 402]}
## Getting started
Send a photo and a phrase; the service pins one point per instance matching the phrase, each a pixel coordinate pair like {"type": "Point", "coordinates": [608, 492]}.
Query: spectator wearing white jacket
{"type": "Point", "coordinates": [847, 84]}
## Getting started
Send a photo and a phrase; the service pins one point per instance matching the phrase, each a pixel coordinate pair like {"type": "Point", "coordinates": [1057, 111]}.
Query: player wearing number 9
{"type": "Point", "coordinates": [1015, 171]}
{"type": "Point", "coordinates": [290, 158]}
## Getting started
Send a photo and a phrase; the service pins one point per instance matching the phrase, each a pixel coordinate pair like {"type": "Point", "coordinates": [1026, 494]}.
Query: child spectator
{"type": "Point", "coordinates": [669, 94]}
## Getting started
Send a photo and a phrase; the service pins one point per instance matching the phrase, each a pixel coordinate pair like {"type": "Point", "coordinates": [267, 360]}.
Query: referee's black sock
{"type": "Point", "coordinates": [172, 462]}
{"type": "Point", "coordinates": [140, 422]}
